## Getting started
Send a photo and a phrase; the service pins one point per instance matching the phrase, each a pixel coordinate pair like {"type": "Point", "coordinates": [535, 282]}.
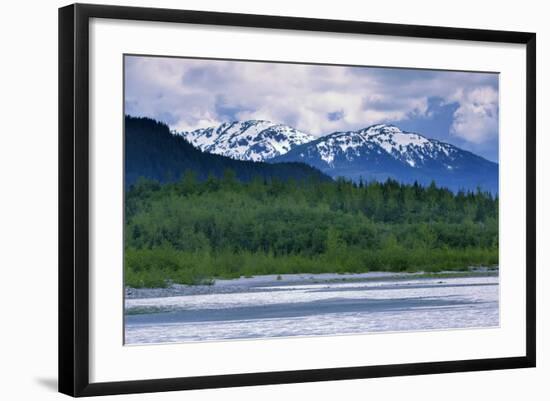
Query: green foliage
{"type": "Point", "coordinates": [158, 266]}
{"type": "Point", "coordinates": [191, 231]}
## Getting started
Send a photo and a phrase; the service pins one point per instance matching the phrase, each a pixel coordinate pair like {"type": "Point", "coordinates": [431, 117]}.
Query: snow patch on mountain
{"type": "Point", "coordinates": [255, 140]}
{"type": "Point", "coordinates": [411, 148]}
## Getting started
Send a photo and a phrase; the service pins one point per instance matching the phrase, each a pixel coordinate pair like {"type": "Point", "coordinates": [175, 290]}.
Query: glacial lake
{"type": "Point", "coordinates": [309, 305]}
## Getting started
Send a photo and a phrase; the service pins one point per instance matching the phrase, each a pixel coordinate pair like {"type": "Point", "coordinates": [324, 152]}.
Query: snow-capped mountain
{"type": "Point", "coordinates": [384, 140]}
{"type": "Point", "coordinates": [384, 151]}
{"type": "Point", "coordinates": [256, 140]}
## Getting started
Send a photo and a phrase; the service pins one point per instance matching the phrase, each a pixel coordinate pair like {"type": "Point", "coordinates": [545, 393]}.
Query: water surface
{"type": "Point", "coordinates": [306, 305]}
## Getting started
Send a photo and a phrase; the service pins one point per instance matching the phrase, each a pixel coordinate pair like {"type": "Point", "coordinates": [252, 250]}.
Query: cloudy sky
{"type": "Point", "coordinates": [456, 107]}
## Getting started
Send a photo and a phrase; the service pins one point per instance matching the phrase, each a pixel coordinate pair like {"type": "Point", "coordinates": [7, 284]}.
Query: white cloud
{"type": "Point", "coordinates": [189, 94]}
{"type": "Point", "coordinates": [476, 119]}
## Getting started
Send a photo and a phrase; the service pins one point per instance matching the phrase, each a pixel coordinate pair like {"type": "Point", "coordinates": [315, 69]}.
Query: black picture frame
{"type": "Point", "coordinates": [74, 198]}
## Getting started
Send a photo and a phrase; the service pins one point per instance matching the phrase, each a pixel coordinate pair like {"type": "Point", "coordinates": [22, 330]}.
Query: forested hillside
{"type": "Point", "coordinates": [193, 230]}
{"type": "Point", "coordinates": [153, 152]}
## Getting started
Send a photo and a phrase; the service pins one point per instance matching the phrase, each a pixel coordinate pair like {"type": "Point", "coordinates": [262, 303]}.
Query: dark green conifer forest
{"type": "Point", "coordinates": [196, 229]}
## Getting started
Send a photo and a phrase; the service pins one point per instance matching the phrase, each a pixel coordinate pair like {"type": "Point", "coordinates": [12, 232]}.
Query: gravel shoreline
{"type": "Point", "coordinates": [257, 283]}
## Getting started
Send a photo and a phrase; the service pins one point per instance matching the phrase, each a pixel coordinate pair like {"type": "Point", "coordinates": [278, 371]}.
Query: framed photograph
{"type": "Point", "coordinates": [251, 199]}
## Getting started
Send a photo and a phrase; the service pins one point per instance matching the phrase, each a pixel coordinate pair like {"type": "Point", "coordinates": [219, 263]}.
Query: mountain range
{"type": "Point", "coordinates": [377, 152]}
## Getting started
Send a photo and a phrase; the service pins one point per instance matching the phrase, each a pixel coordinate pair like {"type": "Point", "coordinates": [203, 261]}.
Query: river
{"type": "Point", "coordinates": [309, 305]}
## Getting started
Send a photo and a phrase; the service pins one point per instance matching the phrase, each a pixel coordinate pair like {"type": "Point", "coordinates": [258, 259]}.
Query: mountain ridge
{"type": "Point", "coordinates": [256, 140]}
{"type": "Point", "coordinates": [152, 151]}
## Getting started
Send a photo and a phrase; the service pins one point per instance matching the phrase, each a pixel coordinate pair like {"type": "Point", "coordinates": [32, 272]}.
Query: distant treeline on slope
{"type": "Point", "coordinates": [153, 152]}
{"type": "Point", "coordinates": [191, 231]}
